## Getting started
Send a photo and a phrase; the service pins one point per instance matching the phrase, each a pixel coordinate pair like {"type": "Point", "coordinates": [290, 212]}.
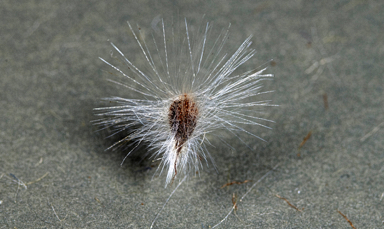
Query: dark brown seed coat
{"type": "Point", "coordinates": [182, 117]}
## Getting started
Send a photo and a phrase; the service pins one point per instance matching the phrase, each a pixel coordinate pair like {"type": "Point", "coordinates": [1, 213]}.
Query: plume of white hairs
{"type": "Point", "coordinates": [187, 91]}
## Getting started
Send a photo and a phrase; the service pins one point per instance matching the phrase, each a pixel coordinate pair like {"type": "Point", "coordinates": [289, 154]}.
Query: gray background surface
{"type": "Point", "coordinates": [51, 79]}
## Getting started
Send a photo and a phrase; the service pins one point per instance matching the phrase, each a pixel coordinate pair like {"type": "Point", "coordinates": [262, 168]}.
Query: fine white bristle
{"type": "Point", "coordinates": [187, 91]}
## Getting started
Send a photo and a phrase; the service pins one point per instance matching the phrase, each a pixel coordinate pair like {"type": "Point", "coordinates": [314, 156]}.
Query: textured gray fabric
{"type": "Point", "coordinates": [54, 172]}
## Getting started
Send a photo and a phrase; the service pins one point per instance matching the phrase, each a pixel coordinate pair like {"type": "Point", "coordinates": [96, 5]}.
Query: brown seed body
{"type": "Point", "coordinates": [182, 117]}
